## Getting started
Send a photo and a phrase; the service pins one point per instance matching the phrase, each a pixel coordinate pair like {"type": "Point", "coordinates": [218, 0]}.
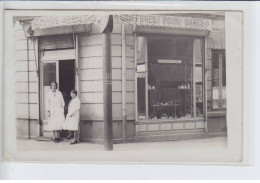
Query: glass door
{"type": "Point", "coordinates": [49, 70]}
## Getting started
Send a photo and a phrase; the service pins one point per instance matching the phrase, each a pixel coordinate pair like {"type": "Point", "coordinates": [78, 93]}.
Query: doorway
{"type": "Point", "coordinates": [66, 80]}
{"type": "Point", "coordinates": [62, 72]}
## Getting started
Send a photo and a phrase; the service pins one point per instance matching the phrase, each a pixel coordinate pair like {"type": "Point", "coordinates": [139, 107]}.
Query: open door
{"type": "Point", "coordinates": [63, 72]}
{"type": "Point", "coordinates": [49, 70]}
{"type": "Point", "coordinates": [66, 80]}
{"type": "Point", "coordinates": [58, 61]}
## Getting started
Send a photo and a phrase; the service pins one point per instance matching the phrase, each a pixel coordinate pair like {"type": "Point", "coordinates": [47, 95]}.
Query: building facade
{"type": "Point", "coordinates": [168, 75]}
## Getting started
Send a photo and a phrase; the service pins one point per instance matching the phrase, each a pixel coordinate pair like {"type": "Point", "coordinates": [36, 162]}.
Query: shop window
{"type": "Point", "coordinates": [218, 79]}
{"type": "Point", "coordinates": [169, 78]}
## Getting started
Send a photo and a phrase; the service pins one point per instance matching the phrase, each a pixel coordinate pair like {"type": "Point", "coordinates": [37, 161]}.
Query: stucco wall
{"type": "Point", "coordinates": [91, 76]}
{"type": "Point", "coordinates": [26, 84]}
{"type": "Point", "coordinates": [91, 73]}
{"type": "Point", "coordinates": [116, 41]}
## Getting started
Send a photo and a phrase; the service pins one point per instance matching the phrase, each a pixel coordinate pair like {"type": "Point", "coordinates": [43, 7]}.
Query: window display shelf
{"type": "Point", "coordinates": [174, 120]}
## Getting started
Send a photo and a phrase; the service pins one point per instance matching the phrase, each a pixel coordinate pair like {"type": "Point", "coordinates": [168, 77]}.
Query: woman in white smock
{"type": "Point", "coordinates": [55, 108]}
{"type": "Point", "coordinates": [72, 118]}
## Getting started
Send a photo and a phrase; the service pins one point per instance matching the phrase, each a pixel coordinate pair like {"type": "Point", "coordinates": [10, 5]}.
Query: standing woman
{"type": "Point", "coordinates": [55, 108]}
{"type": "Point", "coordinates": [72, 118]}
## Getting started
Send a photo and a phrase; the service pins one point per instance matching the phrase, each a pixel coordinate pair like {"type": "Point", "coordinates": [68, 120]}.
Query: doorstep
{"type": "Point", "coordinates": [219, 134]}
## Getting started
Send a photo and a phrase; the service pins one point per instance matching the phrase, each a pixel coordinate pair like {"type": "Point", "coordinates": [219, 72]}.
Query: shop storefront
{"type": "Point", "coordinates": [168, 75]}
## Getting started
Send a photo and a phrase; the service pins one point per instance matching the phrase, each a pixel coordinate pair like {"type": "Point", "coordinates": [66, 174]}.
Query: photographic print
{"type": "Point", "coordinates": [125, 82]}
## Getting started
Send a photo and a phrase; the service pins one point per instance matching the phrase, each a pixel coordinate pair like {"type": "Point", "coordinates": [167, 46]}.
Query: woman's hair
{"type": "Point", "coordinates": [75, 92]}
{"type": "Point", "coordinates": [54, 83]}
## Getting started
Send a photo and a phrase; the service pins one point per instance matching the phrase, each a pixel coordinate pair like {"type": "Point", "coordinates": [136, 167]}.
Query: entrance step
{"type": "Point", "coordinates": [171, 137]}
{"type": "Point", "coordinates": [47, 134]}
{"type": "Point", "coordinates": [43, 138]}
{"type": "Point", "coordinates": [220, 134]}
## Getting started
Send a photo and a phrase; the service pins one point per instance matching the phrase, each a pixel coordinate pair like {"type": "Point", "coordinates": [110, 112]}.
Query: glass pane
{"type": "Point", "coordinates": [169, 77]}
{"type": "Point", "coordinates": [223, 102]}
{"type": "Point", "coordinates": [141, 97]}
{"type": "Point", "coordinates": [141, 49]}
{"type": "Point", "coordinates": [223, 69]}
{"type": "Point", "coordinates": [198, 76]}
{"type": "Point", "coordinates": [141, 68]}
{"type": "Point", "coordinates": [49, 75]}
{"type": "Point", "coordinates": [215, 80]}
{"type": "Point", "coordinates": [197, 51]}
{"type": "Point", "coordinates": [218, 87]}
{"type": "Point", "coordinates": [215, 69]}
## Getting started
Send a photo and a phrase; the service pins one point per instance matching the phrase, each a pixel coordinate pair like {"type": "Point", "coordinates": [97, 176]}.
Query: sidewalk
{"type": "Point", "coordinates": [34, 145]}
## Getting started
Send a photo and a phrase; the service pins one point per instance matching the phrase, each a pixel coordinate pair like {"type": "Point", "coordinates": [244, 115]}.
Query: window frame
{"type": "Point", "coordinates": [204, 108]}
{"type": "Point", "coordinates": [220, 79]}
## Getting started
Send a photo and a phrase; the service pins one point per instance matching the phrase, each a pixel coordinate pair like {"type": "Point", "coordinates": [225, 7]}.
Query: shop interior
{"type": "Point", "coordinates": [170, 79]}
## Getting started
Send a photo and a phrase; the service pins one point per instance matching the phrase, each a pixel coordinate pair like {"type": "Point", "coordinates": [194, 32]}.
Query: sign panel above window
{"type": "Point", "coordinates": [171, 30]}
{"type": "Point", "coordinates": [131, 19]}
{"type": "Point", "coordinates": [167, 61]}
{"type": "Point", "coordinates": [61, 21]}
{"type": "Point", "coordinates": [182, 22]}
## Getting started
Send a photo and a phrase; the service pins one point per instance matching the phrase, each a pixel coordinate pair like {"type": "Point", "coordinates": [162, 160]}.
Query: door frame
{"type": "Point", "coordinates": [42, 107]}
{"type": "Point", "coordinates": [73, 55]}
{"type": "Point", "coordinates": [56, 60]}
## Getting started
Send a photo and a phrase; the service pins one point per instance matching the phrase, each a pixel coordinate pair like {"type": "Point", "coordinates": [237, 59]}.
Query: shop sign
{"type": "Point", "coordinates": [140, 68]}
{"type": "Point", "coordinates": [135, 19]}
{"type": "Point", "coordinates": [165, 61]}
{"type": "Point", "coordinates": [165, 21]}
{"type": "Point", "coordinates": [58, 21]}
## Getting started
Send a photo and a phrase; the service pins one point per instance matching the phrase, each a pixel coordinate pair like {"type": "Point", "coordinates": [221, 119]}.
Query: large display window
{"type": "Point", "coordinates": [169, 77]}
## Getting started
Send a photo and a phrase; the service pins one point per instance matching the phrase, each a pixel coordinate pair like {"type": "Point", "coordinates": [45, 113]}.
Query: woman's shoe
{"type": "Point", "coordinates": [68, 137]}
{"type": "Point", "coordinates": [56, 141]}
{"type": "Point", "coordinates": [74, 142]}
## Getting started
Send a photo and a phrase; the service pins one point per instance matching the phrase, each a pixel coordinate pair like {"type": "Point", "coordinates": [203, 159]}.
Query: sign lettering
{"type": "Point", "coordinates": [135, 19]}
{"type": "Point", "coordinates": [58, 21]}
{"type": "Point", "coordinates": [165, 21]}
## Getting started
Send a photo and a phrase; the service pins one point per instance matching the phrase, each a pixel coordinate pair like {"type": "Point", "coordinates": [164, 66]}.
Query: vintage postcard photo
{"type": "Point", "coordinates": [123, 86]}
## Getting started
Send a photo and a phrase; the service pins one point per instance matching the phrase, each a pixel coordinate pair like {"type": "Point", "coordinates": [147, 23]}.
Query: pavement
{"type": "Point", "coordinates": [35, 145]}
{"type": "Point", "coordinates": [213, 149]}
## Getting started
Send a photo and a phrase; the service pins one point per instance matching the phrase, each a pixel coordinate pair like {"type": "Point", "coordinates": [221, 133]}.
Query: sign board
{"type": "Point", "coordinates": [140, 68]}
{"type": "Point", "coordinates": [59, 21]}
{"type": "Point", "coordinates": [166, 61]}
{"type": "Point", "coordinates": [182, 22]}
